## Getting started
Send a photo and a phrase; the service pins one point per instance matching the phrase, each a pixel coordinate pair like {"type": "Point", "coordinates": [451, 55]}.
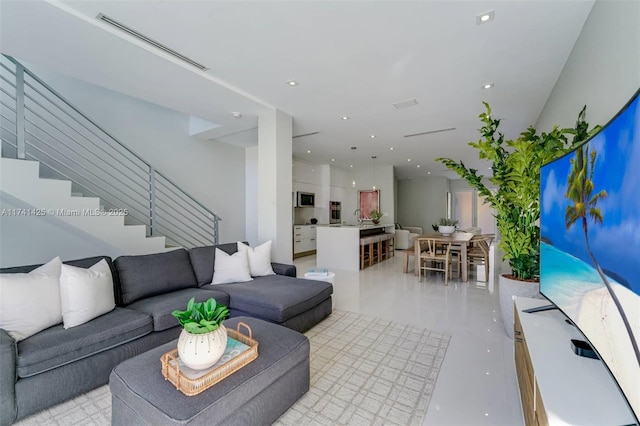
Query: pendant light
{"type": "Point", "coordinates": [373, 157]}
{"type": "Point", "coordinates": [353, 161]}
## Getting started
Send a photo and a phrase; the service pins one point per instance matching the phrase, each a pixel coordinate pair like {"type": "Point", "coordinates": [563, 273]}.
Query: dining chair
{"type": "Point", "coordinates": [478, 252]}
{"type": "Point", "coordinates": [435, 256]}
{"type": "Point", "coordinates": [456, 250]}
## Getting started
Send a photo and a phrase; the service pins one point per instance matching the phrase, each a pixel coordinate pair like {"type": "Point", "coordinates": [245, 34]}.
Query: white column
{"type": "Point", "coordinates": [274, 214]}
{"type": "Point", "coordinates": [251, 195]}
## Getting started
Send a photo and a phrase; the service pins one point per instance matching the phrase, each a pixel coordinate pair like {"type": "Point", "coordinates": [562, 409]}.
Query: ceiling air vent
{"type": "Point", "coordinates": [142, 37]}
{"type": "Point", "coordinates": [305, 134]}
{"type": "Point", "coordinates": [429, 133]}
{"type": "Point", "coordinates": [405, 104]}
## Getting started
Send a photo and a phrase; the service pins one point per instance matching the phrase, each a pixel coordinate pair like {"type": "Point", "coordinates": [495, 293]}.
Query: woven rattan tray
{"type": "Point", "coordinates": [193, 386]}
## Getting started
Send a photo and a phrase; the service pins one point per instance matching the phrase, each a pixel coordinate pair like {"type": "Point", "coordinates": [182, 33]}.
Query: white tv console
{"type": "Point", "coordinates": [558, 387]}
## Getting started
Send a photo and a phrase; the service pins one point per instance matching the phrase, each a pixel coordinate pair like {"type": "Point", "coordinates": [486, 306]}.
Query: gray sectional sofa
{"type": "Point", "coordinates": [55, 364]}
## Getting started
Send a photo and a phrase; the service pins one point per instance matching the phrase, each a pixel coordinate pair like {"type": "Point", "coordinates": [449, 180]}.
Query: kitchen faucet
{"type": "Point", "coordinates": [355, 213]}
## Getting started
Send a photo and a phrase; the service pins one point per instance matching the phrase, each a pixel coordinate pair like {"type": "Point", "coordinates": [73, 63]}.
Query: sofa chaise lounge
{"type": "Point", "coordinates": [404, 237]}
{"type": "Point", "coordinates": [57, 364]}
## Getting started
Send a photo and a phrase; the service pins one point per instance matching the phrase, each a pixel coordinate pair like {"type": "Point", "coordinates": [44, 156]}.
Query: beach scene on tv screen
{"type": "Point", "coordinates": [590, 250]}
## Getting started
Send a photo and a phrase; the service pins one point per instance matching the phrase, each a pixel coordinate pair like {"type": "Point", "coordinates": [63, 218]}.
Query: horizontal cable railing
{"type": "Point", "coordinates": [36, 123]}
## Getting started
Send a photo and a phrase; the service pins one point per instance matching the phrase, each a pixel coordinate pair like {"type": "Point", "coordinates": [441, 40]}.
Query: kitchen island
{"type": "Point", "coordinates": [338, 246]}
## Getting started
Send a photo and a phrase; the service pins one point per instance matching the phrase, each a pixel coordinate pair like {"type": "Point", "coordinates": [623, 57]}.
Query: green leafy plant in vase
{"type": "Point", "coordinates": [203, 338]}
{"type": "Point", "coordinates": [516, 175]}
{"type": "Point", "coordinates": [376, 215]}
{"type": "Point", "coordinates": [445, 226]}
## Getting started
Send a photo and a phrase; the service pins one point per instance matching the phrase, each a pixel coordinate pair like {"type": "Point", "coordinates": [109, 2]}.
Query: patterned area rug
{"type": "Point", "coordinates": [364, 371]}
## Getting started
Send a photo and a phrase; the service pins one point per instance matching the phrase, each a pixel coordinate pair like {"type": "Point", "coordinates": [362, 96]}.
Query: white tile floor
{"type": "Point", "coordinates": [477, 383]}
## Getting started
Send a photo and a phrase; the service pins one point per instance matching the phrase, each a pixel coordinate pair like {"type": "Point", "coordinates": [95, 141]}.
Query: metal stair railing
{"type": "Point", "coordinates": [37, 123]}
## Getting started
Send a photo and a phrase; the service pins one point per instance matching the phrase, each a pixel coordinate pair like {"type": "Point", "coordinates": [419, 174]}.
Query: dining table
{"type": "Point", "coordinates": [460, 239]}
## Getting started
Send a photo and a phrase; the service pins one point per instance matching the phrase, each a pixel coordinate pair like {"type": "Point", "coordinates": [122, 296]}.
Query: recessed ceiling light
{"type": "Point", "coordinates": [344, 117]}
{"type": "Point", "coordinates": [333, 159]}
{"type": "Point", "coordinates": [308, 152]}
{"type": "Point", "coordinates": [373, 136]}
{"type": "Point", "coordinates": [487, 85]}
{"type": "Point", "coordinates": [483, 18]}
{"type": "Point", "coordinates": [292, 83]}
{"type": "Point", "coordinates": [428, 173]}
{"type": "Point", "coordinates": [390, 148]}
{"type": "Point", "coordinates": [236, 115]}
{"type": "Point", "coordinates": [408, 159]}
{"type": "Point", "coordinates": [351, 165]}
{"type": "Point", "coordinates": [418, 165]}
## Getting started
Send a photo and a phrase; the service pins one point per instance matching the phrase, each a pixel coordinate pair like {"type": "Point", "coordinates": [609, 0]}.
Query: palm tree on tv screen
{"type": "Point", "coordinates": [579, 191]}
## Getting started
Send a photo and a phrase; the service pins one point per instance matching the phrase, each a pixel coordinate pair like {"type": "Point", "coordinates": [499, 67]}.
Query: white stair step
{"type": "Point", "coordinates": [21, 180]}
{"type": "Point", "coordinates": [19, 169]}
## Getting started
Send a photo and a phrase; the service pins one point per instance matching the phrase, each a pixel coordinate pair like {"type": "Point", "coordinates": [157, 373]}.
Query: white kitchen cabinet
{"type": "Point", "coordinates": [304, 239]}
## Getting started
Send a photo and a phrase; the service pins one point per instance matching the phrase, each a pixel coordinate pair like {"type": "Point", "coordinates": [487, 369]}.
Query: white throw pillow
{"type": "Point", "coordinates": [259, 258]}
{"type": "Point", "coordinates": [231, 269]}
{"type": "Point", "coordinates": [85, 293]}
{"type": "Point", "coordinates": [30, 302]}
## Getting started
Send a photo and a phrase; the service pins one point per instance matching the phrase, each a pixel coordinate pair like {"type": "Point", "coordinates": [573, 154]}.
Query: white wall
{"type": "Point", "coordinates": [422, 201]}
{"type": "Point", "coordinates": [211, 171]}
{"type": "Point", "coordinates": [603, 70]}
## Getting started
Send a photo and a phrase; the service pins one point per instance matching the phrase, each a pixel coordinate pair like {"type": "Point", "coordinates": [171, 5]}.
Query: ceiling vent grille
{"type": "Point", "coordinates": [142, 37]}
{"type": "Point", "coordinates": [405, 104]}
{"type": "Point", "coordinates": [430, 132]}
{"type": "Point", "coordinates": [305, 134]}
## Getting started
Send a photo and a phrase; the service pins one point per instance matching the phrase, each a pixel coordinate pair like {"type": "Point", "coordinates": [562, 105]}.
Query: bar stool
{"type": "Point", "coordinates": [391, 245]}
{"type": "Point", "coordinates": [373, 244]}
{"type": "Point", "coordinates": [387, 241]}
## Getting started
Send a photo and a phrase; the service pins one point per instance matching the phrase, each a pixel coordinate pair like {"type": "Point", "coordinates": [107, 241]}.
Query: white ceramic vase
{"type": "Point", "coordinates": [446, 230]}
{"type": "Point", "coordinates": [200, 351]}
{"type": "Point", "coordinates": [510, 290]}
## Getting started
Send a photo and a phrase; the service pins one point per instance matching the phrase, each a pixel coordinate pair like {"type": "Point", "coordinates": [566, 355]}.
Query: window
{"type": "Point", "coordinates": [470, 211]}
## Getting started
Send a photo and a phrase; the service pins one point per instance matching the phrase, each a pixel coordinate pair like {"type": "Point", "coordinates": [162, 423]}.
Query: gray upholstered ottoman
{"type": "Point", "coordinates": [257, 394]}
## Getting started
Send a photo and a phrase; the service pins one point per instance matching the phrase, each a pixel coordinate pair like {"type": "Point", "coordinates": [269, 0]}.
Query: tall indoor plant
{"type": "Point", "coordinates": [516, 174]}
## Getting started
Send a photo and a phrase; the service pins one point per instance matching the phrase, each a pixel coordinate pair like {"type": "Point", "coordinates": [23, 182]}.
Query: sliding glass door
{"type": "Point", "coordinates": [463, 211]}
{"type": "Point", "coordinates": [470, 211]}
{"type": "Point", "coordinates": [485, 216]}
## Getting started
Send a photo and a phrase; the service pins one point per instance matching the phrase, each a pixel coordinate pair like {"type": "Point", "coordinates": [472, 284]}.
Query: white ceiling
{"type": "Point", "coordinates": [352, 58]}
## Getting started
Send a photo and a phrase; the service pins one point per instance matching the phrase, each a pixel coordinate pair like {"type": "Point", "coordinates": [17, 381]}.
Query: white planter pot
{"type": "Point", "coordinates": [200, 351]}
{"type": "Point", "coordinates": [446, 230]}
{"type": "Point", "coordinates": [510, 290]}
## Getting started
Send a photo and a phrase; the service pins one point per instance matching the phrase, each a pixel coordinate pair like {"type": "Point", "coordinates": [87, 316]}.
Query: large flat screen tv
{"type": "Point", "coordinates": [590, 249]}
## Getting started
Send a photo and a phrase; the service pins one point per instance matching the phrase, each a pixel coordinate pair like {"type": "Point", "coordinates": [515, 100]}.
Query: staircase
{"type": "Point", "coordinates": [52, 198]}
{"type": "Point", "coordinates": [52, 153]}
